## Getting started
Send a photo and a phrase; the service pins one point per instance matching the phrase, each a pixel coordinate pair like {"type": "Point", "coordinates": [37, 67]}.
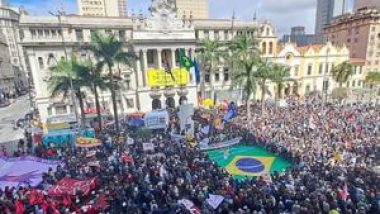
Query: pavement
{"type": "Point", "coordinates": [8, 114]}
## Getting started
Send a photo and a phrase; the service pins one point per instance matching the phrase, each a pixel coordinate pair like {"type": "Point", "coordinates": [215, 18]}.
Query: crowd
{"type": "Point", "coordinates": [332, 152]}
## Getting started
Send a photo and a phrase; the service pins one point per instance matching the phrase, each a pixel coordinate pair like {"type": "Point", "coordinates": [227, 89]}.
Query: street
{"type": "Point", "coordinates": [9, 114]}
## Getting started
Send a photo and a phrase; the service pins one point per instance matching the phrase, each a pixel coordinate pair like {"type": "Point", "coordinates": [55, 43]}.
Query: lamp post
{"type": "Point", "coordinates": [59, 17]}
{"type": "Point", "coordinates": [325, 81]}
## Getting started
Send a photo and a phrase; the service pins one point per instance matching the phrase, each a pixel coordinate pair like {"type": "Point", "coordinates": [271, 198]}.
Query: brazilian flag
{"type": "Point", "coordinates": [248, 161]}
{"type": "Point", "coordinates": [185, 61]}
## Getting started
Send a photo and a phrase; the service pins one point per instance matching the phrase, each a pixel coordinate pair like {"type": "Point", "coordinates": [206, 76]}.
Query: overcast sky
{"type": "Point", "coordinates": [282, 13]}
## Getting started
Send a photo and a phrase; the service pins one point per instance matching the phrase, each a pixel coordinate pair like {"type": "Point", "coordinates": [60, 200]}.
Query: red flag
{"type": "Point", "coordinates": [20, 209]}
{"type": "Point", "coordinates": [101, 202]}
{"type": "Point", "coordinates": [343, 193]}
{"type": "Point", "coordinates": [32, 197]}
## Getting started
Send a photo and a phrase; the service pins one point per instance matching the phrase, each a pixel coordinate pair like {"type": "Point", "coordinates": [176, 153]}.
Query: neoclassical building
{"type": "Point", "coordinates": [156, 41]}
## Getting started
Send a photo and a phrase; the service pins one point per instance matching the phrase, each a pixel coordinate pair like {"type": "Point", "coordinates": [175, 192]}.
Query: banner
{"type": "Point", "coordinates": [189, 205]}
{"type": "Point", "coordinates": [215, 200]}
{"type": "Point", "coordinates": [24, 171]}
{"type": "Point", "coordinates": [148, 147]}
{"type": "Point", "coordinates": [88, 142]}
{"type": "Point", "coordinates": [69, 186]}
{"type": "Point", "coordinates": [158, 77]}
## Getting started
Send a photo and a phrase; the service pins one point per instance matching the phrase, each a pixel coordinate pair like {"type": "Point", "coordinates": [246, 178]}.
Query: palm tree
{"type": "Point", "coordinates": [96, 81]}
{"type": "Point", "coordinates": [244, 76]}
{"type": "Point", "coordinates": [244, 46]}
{"type": "Point", "coordinates": [263, 74]}
{"type": "Point", "coordinates": [279, 75]}
{"type": "Point", "coordinates": [108, 51]}
{"type": "Point", "coordinates": [342, 72]}
{"type": "Point", "coordinates": [209, 57]}
{"type": "Point", "coordinates": [67, 75]}
{"type": "Point", "coordinates": [372, 79]}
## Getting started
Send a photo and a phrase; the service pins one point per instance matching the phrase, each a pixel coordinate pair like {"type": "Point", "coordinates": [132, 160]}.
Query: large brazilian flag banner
{"type": "Point", "coordinates": [247, 161]}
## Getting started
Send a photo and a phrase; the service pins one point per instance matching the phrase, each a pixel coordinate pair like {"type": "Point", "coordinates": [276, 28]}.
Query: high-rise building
{"type": "Point", "coordinates": [3, 2]}
{"type": "Point", "coordinates": [299, 36]}
{"type": "Point", "coordinates": [360, 32]}
{"type": "Point", "coordinates": [111, 8]}
{"type": "Point", "coordinates": [197, 9]}
{"type": "Point", "coordinates": [326, 11]}
{"type": "Point", "coordinates": [366, 3]}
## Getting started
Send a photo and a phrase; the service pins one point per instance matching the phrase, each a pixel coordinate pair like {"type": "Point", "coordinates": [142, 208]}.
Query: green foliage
{"type": "Point", "coordinates": [373, 77]}
{"type": "Point", "coordinates": [342, 72]}
{"type": "Point", "coordinates": [279, 75]}
{"type": "Point", "coordinates": [340, 93]}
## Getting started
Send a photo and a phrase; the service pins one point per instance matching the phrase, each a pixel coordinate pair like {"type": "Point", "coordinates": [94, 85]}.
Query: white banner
{"type": "Point", "coordinates": [189, 205]}
{"type": "Point", "coordinates": [130, 141]}
{"type": "Point", "coordinates": [148, 147]}
{"type": "Point", "coordinates": [215, 200]}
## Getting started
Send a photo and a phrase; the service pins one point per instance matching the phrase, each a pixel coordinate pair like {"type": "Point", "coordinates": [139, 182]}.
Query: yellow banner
{"type": "Point", "coordinates": [57, 126]}
{"type": "Point", "coordinates": [158, 77]}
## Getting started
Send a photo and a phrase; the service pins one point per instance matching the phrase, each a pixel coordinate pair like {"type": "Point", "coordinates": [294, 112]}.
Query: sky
{"type": "Point", "coordinates": [284, 14]}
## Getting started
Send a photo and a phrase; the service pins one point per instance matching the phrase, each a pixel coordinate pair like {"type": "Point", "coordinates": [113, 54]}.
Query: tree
{"type": "Point", "coordinates": [279, 75]}
{"type": "Point", "coordinates": [342, 72]}
{"type": "Point", "coordinates": [263, 74]}
{"type": "Point", "coordinates": [97, 81]}
{"type": "Point", "coordinates": [245, 62]}
{"type": "Point", "coordinates": [372, 79]}
{"type": "Point", "coordinates": [67, 75]}
{"type": "Point", "coordinates": [209, 57]}
{"type": "Point", "coordinates": [108, 51]}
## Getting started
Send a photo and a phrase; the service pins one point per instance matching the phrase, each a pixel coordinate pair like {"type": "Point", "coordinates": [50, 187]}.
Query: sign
{"type": "Point", "coordinates": [215, 200]}
{"type": "Point", "coordinates": [189, 205]}
{"type": "Point", "coordinates": [157, 119]}
{"type": "Point", "coordinates": [69, 186]}
{"type": "Point", "coordinates": [204, 146]}
{"type": "Point", "coordinates": [159, 77]}
{"type": "Point", "coordinates": [148, 147]}
{"type": "Point", "coordinates": [87, 142]}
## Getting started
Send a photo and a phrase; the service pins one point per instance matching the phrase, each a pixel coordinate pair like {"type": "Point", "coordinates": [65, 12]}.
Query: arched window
{"type": "Point", "coordinates": [264, 48]}
{"type": "Point", "coordinates": [270, 47]}
{"type": "Point", "coordinates": [50, 59]}
{"type": "Point", "coordinates": [41, 62]}
{"type": "Point", "coordinates": [268, 31]}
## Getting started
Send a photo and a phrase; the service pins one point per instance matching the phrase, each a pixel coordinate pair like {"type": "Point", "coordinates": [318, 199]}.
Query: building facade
{"type": "Point", "coordinates": [110, 8]}
{"type": "Point", "coordinates": [298, 35]}
{"type": "Point", "coordinates": [366, 3]}
{"type": "Point", "coordinates": [326, 11]}
{"type": "Point", "coordinates": [196, 9]}
{"type": "Point", "coordinates": [360, 32]}
{"type": "Point", "coordinates": [9, 26]}
{"type": "Point", "coordinates": [156, 41]}
{"type": "Point", "coordinates": [7, 75]}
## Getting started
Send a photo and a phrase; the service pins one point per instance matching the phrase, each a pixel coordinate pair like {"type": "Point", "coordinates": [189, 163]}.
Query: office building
{"type": "Point", "coordinates": [110, 8]}
{"type": "Point", "coordinates": [301, 38]}
{"type": "Point", "coordinates": [360, 32]}
{"type": "Point", "coordinates": [197, 9]}
{"type": "Point", "coordinates": [326, 11]}
{"type": "Point", "coordinates": [366, 3]}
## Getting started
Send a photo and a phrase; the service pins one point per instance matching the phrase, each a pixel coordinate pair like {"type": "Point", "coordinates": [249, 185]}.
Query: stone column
{"type": "Point", "coordinates": [145, 65]}
{"type": "Point", "coordinates": [173, 58]}
{"type": "Point", "coordinates": [138, 70]}
{"type": "Point", "coordinates": [159, 58]}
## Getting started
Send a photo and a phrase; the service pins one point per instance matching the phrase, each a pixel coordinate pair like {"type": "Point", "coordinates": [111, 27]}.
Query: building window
{"type": "Point", "coordinates": [307, 89]}
{"type": "Point", "coordinates": [226, 35]}
{"type": "Point", "coordinates": [41, 62]}
{"type": "Point", "coordinates": [50, 111]}
{"type": "Point", "coordinates": [309, 69]}
{"type": "Point", "coordinates": [60, 110]}
{"type": "Point", "coordinates": [216, 35]}
{"type": "Point", "coordinates": [122, 35]}
{"type": "Point", "coordinates": [359, 83]}
{"type": "Point", "coordinates": [130, 103]}
{"type": "Point", "coordinates": [79, 35]}
{"type": "Point", "coordinates": [149, 56]}
{"type": "Point", "coordinates": [197, 34]}
{"type": "Point", "coordinates": [33, 33]}
{"type": "Point", "coordinates": [206, 34]}
{"type": "Point", "coordinates": [270, 47]}
{"type": "Point", "coordinates": [217, 78]}
{"type": "Point", "coordinates": [207, 77]}
{"type": "Point", "coordinates": [326, 68]}
{"type": "Point", "coordinates": [226, 75]}
{"type": "Point", "coordinates": [108, 31]}
{"type": "Point", "coordinates": [353, 83]}
{"type": "Point", "coordinates": [296, 70]}
{"type": "Point", "coordinates": [320, 68]}
{"type": "Point", "coordinates": [264, 48]}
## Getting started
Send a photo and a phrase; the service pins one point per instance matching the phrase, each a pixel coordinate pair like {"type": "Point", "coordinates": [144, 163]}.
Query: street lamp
{"type": "Point", "coordinates": [59, 15]}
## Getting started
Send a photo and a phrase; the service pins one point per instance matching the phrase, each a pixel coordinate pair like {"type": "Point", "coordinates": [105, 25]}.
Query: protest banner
{"type": "Point", "coordinates": [215, 200]}
{"type": "Point", "coordinates": [148, 147]}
